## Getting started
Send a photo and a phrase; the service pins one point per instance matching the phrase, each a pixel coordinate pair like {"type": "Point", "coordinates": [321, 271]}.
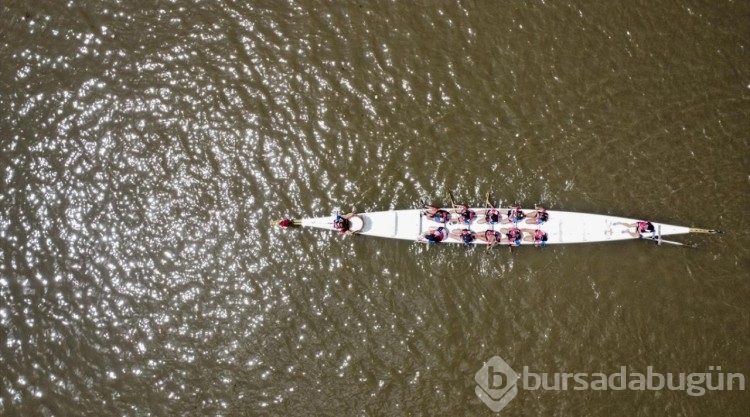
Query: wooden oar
{"type": "Point", "coordinates": [453, 202]}
{"type": "Point", "coordinates": [482, 219]}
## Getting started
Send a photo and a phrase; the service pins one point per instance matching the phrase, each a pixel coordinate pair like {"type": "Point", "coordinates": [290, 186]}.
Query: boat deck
{"type": "Point", "coordinates": [561, 227]}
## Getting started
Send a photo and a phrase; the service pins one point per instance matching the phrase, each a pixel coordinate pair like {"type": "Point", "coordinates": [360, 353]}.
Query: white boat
{"type": "Point", "coordinates": [560, 227]}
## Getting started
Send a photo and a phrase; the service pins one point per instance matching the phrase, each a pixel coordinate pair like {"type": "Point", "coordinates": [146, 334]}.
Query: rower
{"type": "Point", "coordinates": [645, 227]}
{"type": "Point", "coordinates": [514, 236]}
{"type": "Point", "coordinates": [492, 237]}
{"type": "Point", "coordinates": [284, 223]}
{"type": "Point", "coordinates": [539, 216]}
{"type": "Point", "coordinates": [467, 236]}
{"type": "Point", "coordinates": [465, 215]}
{"type": "Point", "coordinates": [540, 238]}
{"type": "Point", "coordinates": [436, 214]}
{"type": "Point", "coordinates": [515, 214]}
{"type": "Point", "coordinates": [435, 236]}
{"type": "Point", "coordinates": [640, 228]}
{"type": "Point", "coordinates": [491, 214]}
{"type": "Point", "coordinates": [442, 216]}
{"type": "Point", "coordinates": [344, 223]}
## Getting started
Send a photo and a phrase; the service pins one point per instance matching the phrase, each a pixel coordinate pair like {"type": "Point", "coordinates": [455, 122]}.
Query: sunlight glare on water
{"type": "Point", "coordinates": [145, 148]}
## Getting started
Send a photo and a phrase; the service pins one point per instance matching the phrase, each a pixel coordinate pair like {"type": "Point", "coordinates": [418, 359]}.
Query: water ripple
{"type": "Point", "coordinates": [145, 149]}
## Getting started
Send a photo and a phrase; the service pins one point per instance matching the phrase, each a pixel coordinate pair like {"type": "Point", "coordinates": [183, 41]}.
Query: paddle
{"type": "Point", "coordinates": [495, 241]}
{"type": "Point", "coordinates": [453, 202]}
{"type": "Point", "coordinates": [671, 242]}
{"type": "Point", "coordinates": [454, 205]}
{"type": "Point", "coordinates": [487, 206]}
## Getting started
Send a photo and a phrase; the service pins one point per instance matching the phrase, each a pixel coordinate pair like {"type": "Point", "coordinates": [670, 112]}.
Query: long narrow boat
{"type": "Point", "coordinates": [561, 226]}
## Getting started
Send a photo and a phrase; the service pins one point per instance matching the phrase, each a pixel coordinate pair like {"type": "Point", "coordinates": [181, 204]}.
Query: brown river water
{"type": "Point", "coordinates": [145, 146]}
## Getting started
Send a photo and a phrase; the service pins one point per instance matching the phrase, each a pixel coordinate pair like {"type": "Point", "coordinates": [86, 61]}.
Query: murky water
{"type": "Point", "coordinates": [145, 146]}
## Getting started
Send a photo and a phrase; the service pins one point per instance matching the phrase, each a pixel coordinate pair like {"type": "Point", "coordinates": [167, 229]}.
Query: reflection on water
{"type": "Point", "coordinates": [145, 148]}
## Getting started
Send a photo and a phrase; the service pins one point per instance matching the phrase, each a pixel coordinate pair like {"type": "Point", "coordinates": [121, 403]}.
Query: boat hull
{"type": "Point", "coordinates": [561, 227]}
